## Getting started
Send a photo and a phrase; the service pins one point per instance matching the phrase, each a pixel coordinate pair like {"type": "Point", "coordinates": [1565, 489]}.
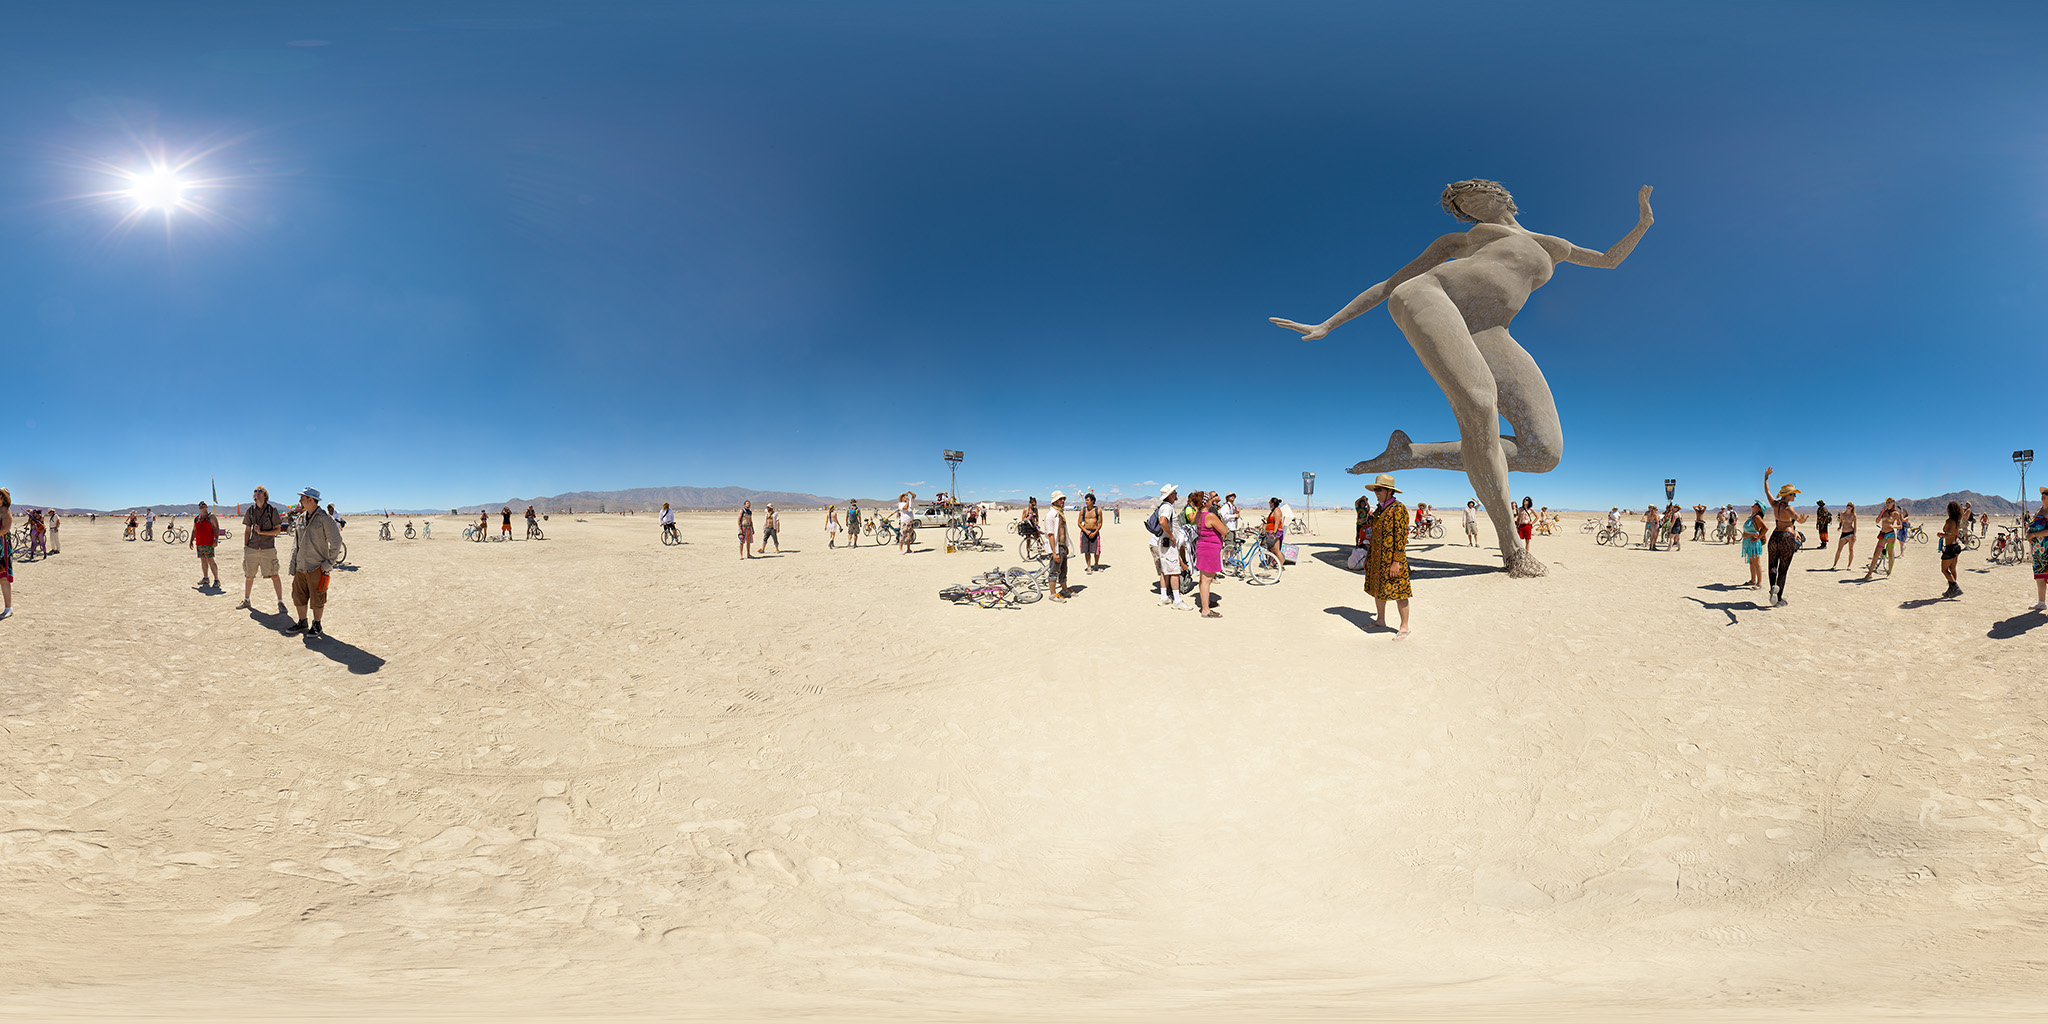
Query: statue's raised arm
{"type": "Point", "coordinates": [1454, 303]}
{"type": "Point", "coordinates": [1618, 251]}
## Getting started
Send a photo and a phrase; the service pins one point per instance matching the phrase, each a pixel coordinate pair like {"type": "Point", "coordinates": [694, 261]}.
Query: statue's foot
{"type": "Point", "coordinates": [1523, 565]}
{"type": "Point", "coordinates": [1400, 454]}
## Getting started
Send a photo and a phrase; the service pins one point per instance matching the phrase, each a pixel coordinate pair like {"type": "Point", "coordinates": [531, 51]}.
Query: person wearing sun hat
{"type": "Point", "coordinates": [1784, 541]}
{"type": "Point", "coordinates": [2037, 538]}
{"type": "Point", "coordinates": [316, 542]}
{"type": "Point", "coordinates": [1386, 554]}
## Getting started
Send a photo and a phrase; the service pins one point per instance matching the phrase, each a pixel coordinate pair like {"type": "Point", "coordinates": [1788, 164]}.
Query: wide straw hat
{"type": "Point", "coordinates": [1787, 491]}
{"type": "Point", "coordinates": [1167, 489]}
{"type": "Point", "coordinates": [1386, 481]}
{"type": "Point", "coordinates": [1057, 497]}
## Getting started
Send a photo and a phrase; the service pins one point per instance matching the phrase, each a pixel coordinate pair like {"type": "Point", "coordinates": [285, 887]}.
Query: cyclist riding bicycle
{"type": "Point", "coordinates": [668, 522]}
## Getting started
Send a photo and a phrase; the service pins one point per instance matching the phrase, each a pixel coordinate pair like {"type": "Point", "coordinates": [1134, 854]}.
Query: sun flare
{"type": "Point", "coordinates": [157, 189]}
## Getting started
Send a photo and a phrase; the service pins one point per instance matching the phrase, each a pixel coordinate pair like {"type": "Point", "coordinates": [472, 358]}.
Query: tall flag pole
{"type": "Point", "coordinates": [216, 490]}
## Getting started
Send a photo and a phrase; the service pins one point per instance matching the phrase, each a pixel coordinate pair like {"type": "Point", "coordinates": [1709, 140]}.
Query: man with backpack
{"type": "Point", "coordinates": [1165, 547]}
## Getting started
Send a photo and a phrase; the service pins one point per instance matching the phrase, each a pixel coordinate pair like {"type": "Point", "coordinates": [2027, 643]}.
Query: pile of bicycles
{"type": "Point", "coordinates": [1002, 588]}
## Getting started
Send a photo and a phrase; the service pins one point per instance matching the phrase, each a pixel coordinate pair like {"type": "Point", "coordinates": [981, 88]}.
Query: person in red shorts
{"type": "Point", "coordinates": [205, 534]}
{"type": "Point", "coordinates": [1525, 520]}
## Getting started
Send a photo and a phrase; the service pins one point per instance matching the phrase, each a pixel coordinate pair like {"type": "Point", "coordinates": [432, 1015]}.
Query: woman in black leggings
{"type": "Point", "coordinates": [1784, 538]}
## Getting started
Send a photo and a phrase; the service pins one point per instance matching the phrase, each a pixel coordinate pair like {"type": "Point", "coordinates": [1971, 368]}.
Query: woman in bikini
{"type": "Point", "coordinates": [1887, 525]}
{"type": "Point", "coordinates": [1784, 537]}
{"type": "Point", "coordinates": [1952, 548]}
{"type": "Point", "coordinates": [1848, 536]}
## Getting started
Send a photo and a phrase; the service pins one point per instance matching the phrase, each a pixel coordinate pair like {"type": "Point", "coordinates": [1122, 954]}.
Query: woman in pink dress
{"type": "Point", "coordinates": [1209, 530]}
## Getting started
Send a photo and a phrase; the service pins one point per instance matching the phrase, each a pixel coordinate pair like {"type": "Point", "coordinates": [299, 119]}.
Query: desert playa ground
{"type": "Point", "coordinates": [597, 776]}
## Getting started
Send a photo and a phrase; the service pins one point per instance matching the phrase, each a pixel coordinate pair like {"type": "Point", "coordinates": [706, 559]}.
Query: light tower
{"type": "Point", "coordinates": [1308, 493]}
{"type": "Point", "coordinates": [953, 473]}
{"type": "Point", "coordinates": [2021, 459]}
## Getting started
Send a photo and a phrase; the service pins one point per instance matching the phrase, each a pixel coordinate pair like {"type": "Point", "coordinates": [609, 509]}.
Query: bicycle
{"type": "Point", "coordinates": [2009, 546]}
{"type": "Point", "coordinates": [174, 534]}
{"type": "Point", "coordinates": [671, 536]}
{"type": "Point", "coordinates": [410, 533]}
{"type": "Point", "coordinates": [533, 531]}
{"type": "Point", "coordinates": [1919, 535]}
{"type": "Point", "coordinates": [476, 533]}
{"type": "Point", "coordinates": [1590, 526]}
{"type": "Point", "coordinates": [1429, 528]}
{"type": "Point", "coordinates": [1615, 536]}
{"type": "Point", "coordinates": [884, 531]}
{"type": "Point", "coordinates": [1299, 526]}
{"type": "Point", "coordinates": [1031, 548]}
{"type": "Point", "coordinates": [148, 532]}
{"type": "Point", "coordinates": [1026, 585]}
{"type": "Point", "coordinates": [963, 535]}
{"type": "Point", "coordinates": [384, 531]}
{"type": "Point", "coordinates": [1252, 562]}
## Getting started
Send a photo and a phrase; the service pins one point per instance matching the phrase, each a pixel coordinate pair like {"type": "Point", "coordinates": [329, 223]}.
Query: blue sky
{"type": "Point", "coordinates": [456, 252]}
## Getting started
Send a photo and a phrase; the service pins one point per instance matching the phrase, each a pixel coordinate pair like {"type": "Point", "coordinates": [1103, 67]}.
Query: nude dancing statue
{"type": "Point", "coordinates": [1454, 303]}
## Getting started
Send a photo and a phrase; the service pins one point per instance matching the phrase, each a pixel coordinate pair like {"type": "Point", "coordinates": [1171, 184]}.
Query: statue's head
{"type": "Point", "coordinates": [1480, 192]}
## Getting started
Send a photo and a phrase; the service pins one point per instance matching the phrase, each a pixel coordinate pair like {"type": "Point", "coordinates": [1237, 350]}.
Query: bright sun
{"type": "Point", "coordinates": [157, 189]}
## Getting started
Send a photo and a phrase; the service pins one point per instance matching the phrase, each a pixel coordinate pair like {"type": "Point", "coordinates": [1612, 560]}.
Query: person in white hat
{"type": "Point", "coordinates": [315, 543]}
{"type": "Point", "coordinates": [1054, 523]}
{"type": "Point", "coordinates": [1165, 547]}
{"type": "Point", "coordinates": [1386, 557]}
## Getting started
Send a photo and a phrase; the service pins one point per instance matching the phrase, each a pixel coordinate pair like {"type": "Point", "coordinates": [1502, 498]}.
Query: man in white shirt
{"type": "Point", "coordinates": [1230, 511]}
{"type": "Point", "coordinates": [1166, 554]}
{"type": "Point", "coordinates": [1472, 523]}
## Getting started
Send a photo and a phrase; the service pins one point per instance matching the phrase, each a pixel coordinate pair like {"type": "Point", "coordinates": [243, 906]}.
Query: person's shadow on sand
{"type": "Point", "coordinates": [2016, 626]}
{"type": "Point", "coordinates": [277, 622]}
{"type": "Point", "coordinates": [1359, 617]}
{"type": "Point", "coordinates": [357, 660]}
{"type": "Point", "coordinates": [1920, 603]}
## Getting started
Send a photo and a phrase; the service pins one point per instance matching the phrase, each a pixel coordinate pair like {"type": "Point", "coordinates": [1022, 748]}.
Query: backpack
{"type": "Point", "coordinates": [1152, 523]}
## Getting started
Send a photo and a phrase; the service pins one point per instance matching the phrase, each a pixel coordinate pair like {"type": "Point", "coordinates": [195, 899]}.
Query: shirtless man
{"type": "Point", "coordinates": [1091, 533]}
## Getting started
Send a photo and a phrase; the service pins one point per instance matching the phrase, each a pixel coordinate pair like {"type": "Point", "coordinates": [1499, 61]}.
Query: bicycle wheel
{"type": "Point", "coordinates": [991, 596]}
{"type": "Point", "coordinates": [1262, 568]}
{"type": "Point", "coordinates": [970, 534]}
{"type": "Point", "coordinates": [410, 533]}
{"type": "Point", "coordinates": [670, 538]}
{"type": "Point", "coordinates": [1026, 596]}
{"type": "Point", "coordinates": [342, 555]}
{"type": "Point", "coordinates": [534, 533]}
{"type": "Point", "coordinates": [1436, 531]}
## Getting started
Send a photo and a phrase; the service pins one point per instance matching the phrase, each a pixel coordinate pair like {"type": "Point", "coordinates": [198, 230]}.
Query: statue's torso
{"type": "Point", "coordinates": [1493, 275]}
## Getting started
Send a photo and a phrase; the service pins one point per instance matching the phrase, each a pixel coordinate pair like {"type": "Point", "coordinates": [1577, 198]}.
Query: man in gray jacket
{"type": "Point", "coordinates": [315, 542]}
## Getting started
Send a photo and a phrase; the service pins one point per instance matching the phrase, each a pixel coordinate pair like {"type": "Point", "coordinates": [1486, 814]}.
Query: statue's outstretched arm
{"type": "Point", "coordinates": [1618, 251]}
{"type": "Point", "coordinates": [1439, 251]}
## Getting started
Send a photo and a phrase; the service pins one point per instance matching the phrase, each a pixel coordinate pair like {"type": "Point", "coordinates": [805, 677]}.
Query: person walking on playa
{"type": "Point", "coordinates": [52, 517]}
{"type": "Point", "coordinates": [1952, 548]}
{"type": "Point", "coordinates": [853, 521]}
{"type": "Point", "coordinates": [149, 524]}
{"type": "Point", "coordinates": [6, 553]}
{"type": "Point", "coordinates": [1276, 529]}
{"type": "Point", "coordinates": [1472, 524]}
{"type": "Point", "coordinates": [1650, 527]}
{"type": "Point", "coordinates": [2037, 535]}
{"type": "Point", "coordinates": [771, 530]}
{"type": "Point", "coordinates": [1386, 558]}
{"type": "Point", "coordinates": [904, 502]}
{"type": "Point", "coordinates": [1209, 534]}
{"type": "Point", "coordinates": [1847, 538]}
{"type": "Point", "coordinates": [260, 529]}
{"type": "Point", "coordinates": [1091, 533]}
{"type": "Point", "coordinates": [1674, 524]}
{"type": "Point", "coordinates": [1784, 537]}
{"type": "Point", "coordinates": [504, 528]}
{"type": "Point", "coordinates": [831, 526]}
{"type": "Point", "coordinates": [1055, 523]}
{"type": "Point", "coordinates": [38, 540]}
{"type": "Point", "coordinates": [205, 534]}
{"type": "Point", "coordinates": [1969, 522]}
{"type": "Point", "coordinates": [1699, 522]}
{"type": "Point", "coordinates": [1821, 518]}
{"type": "Point", "coordinates": [746, 529]}
{"type": "Point", "coordinates": [315, 543]}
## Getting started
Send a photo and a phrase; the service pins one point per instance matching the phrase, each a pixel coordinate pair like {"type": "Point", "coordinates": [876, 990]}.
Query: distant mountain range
{"type": "Point", "coordinates": [646, 499]}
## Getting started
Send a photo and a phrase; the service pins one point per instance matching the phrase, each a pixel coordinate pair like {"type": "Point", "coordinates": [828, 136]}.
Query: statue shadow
{"type": "Point", "coordinates": [355, 659]}
{"type": "Point", "coordinates": [1728, 607]}
{"type": "Point", "coordinates": [2016, 626]}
